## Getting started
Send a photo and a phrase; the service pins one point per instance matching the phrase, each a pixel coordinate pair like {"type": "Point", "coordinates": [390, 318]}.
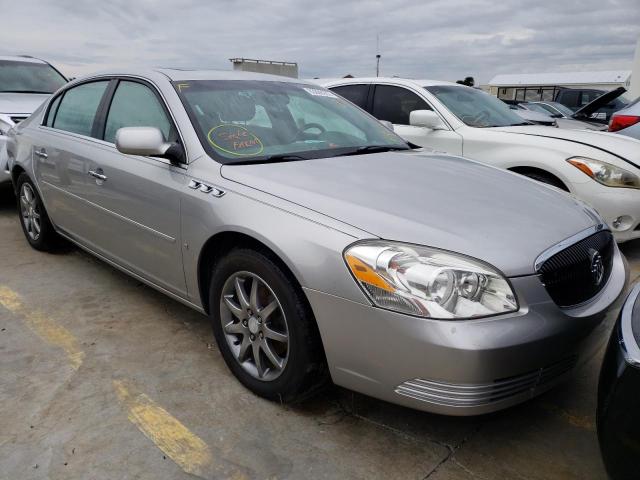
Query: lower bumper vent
{"type": "Point", "coordinates": [475, 395]}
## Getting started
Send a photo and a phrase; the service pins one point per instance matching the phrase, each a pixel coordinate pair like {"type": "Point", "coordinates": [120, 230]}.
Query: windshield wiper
{"type": "Point", "coordinates": [372, 149]}
{"type": "Point", "coordinates": [280, 157]}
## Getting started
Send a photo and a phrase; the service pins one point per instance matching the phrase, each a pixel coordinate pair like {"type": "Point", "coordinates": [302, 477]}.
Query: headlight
{"type": "Point", "coordinates": [605, 173]}
{"type": "Point", "coordinates": [428, 282]}
{"type": "Point", "coordinates": [6, 124]}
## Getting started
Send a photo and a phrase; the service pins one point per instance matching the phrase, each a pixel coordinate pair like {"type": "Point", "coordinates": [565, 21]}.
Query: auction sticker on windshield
{"type": "Point", "coordinates": [234, 140]}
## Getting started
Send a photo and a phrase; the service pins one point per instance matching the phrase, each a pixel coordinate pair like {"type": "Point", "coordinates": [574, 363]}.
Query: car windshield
{"type": "Point", "coordinates": [476, 108]}
{"type": "Point", "coordinates": [29, 77]}
{"type": "Point", "coordinates": [247, 121]}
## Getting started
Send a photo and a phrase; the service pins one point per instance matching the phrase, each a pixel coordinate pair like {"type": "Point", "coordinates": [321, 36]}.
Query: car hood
{"type": "Point", "coordinates": [21, 103]}
{"type": "Point", "coordinates": [536, 117]}
{"type": "Point", "coordinates": [623, 147]}
{"type": "Point", "coordinates": [572, 123]}
{"type": "Point", "coordinates": [599, 102]}
{"type": "Point", "coordinates": [436, 200]}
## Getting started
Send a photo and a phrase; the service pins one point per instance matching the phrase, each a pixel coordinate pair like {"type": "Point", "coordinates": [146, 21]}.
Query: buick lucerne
{"type": "Point", "coordinates": [321, 245]}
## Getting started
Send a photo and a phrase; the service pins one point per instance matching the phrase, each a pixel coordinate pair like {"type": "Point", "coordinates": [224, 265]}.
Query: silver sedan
{"type": "Point", "coordinates": [321, 245]}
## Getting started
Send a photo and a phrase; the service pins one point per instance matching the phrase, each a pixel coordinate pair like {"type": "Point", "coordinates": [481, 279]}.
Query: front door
{"type": "Point", "coordinates": [394, 104]}
{"type": "Point", "coordinates": [136, 200]}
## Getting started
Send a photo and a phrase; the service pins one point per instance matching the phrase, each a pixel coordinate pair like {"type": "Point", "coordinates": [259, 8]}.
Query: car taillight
{"type": "Point", "coordinates": [618, 122]}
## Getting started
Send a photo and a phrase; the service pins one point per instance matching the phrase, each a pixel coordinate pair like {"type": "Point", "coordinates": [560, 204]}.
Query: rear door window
{"type": "Point", "coordinates": [394, 104]}
{"type": "Point", "coordinates": [356, 94]}
{"type": "Point", "coordinates": [136, 105]}
{"type": "Point", "coordinates": [77, 110]}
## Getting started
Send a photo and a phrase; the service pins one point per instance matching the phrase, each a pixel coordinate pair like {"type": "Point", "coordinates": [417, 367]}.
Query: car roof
{"type": "Point", "coordinates": [20, 58]}
{"type": "Point", "coordinates": [402, 81]}
{"type": "Point", "coordinates": [179, 74]}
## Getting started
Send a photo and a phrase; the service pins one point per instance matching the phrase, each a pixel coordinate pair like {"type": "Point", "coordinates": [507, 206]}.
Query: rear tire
{"type": "Point", "coordinates": [34, 220]}
{"type": "Point", "coordinates": [258, 309]}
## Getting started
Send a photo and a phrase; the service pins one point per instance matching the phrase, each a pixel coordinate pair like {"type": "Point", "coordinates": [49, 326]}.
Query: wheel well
{"type": "Point", "coordinates": [219, 245]}
{"type": "Point", "coordinates": [541, 172]}
{"type": "Point", "coordinates": [15, 173]}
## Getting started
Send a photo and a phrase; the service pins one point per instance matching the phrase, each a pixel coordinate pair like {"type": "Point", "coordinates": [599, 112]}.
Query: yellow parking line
{"type": "Point", "coordinates": [43, 326]}
{"type": "Point", "coordinates": [182, 446]}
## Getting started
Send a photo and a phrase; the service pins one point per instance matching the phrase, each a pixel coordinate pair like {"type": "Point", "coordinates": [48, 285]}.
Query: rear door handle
{"type": "Point", "coordinates": [98, 174]}
{"type": "Point", "coordinates": [42, 153]}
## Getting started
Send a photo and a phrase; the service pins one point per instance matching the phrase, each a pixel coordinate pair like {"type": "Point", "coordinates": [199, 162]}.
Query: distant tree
{"type": "Point", "coordinates": [468, 81]}
{"type": "Point", "coordinates": [348, 75]}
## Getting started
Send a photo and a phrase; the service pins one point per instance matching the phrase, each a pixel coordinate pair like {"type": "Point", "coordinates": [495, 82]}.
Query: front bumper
{"type": "Point", "coordinates": [614, 203]}
{"type": "Point", "coordinates": [464, 367]}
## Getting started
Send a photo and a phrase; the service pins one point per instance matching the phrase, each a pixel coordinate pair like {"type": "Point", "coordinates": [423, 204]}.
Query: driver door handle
{"type": "Point", "coordinates": [98, 174]}
{"type": "Point", "coordinates": [42, 153]}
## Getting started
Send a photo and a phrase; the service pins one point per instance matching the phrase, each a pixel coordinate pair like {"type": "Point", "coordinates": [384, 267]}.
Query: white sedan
{"type": "Point", "coordinates": [601, 168]}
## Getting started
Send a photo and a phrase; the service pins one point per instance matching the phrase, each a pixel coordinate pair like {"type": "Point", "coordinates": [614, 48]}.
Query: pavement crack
{"type": "Point", "coordinates": [451, 452]}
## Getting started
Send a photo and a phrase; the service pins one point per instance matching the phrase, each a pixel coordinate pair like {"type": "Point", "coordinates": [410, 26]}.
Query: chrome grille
{"type": "Point", "coordinates": [474, 395]}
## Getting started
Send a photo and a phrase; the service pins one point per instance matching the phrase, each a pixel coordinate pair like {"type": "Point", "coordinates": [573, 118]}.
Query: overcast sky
{"type": "Point", "coordinates": [442, 39]}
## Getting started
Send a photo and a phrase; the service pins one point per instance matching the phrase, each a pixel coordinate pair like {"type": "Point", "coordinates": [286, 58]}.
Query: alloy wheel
{"type": "Point", "coordinates": [30, 212]}
{"type": "Point", "coordinates": [254, 325]}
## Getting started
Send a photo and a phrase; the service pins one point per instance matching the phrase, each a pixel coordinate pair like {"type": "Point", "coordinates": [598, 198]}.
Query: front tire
{"type": "Point", "coordinates": [34, 220]}
{"type": "Point", "coordinates": [264, 327]}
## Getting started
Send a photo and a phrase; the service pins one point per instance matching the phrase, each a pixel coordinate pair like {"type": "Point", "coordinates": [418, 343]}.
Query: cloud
{"type": "Point", "coordinates": [443, 39]}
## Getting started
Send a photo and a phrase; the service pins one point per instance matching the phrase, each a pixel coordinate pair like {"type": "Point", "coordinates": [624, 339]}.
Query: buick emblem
{"type": "Point", "coordinates": [597, 268]}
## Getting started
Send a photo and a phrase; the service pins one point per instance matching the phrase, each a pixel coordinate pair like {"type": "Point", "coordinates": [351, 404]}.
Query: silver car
{"type": "Point", "coordinates": [321, 245]}
{"type": "Point", "coordinates": [25, 82]}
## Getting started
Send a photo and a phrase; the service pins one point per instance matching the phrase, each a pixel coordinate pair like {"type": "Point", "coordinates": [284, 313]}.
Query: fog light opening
{"type": "Point", "coordinates": [622, 223]}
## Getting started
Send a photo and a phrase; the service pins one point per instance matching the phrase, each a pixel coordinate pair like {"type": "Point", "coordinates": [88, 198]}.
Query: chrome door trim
{"type": "Point", "coordinates": [158, 234]}
{"type": "Point", "coordinates": [131, 273]}
{"type": "Point", "coordinates": [558, 247]}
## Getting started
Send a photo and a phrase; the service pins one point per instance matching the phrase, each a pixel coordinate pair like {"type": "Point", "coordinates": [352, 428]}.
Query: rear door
{"type": "Point", "coordinates": [395, 103]}
{"type": "Point", "coordinates": [65, 143]}
{"type": "Point", "coordinates": [135, 200]}
{"type": "Point", "coordinates": [357, 94]}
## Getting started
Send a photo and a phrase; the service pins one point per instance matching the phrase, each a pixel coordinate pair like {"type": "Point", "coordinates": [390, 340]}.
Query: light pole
{"type": "Point", "coordinates": [378, 65]}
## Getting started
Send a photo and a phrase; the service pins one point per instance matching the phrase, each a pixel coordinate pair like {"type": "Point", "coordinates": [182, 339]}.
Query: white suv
{"type": "Point", "coordinates": [600, 168]}
{"type": "Point", "coordinates": [25, 82]}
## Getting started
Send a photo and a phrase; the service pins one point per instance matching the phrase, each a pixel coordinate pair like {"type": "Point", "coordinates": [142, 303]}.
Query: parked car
{"type": "Point", "coordinates": [577, 98]}
{"type": "Point", "coordinates": [618, 415]}
{"type": "Point", "coordinates": [531, 115]}
{"type": "Point", "coordinates": [25, 82]}
{"type": "Point", "coordinates": [598, 167]}
{"type": "Point", "coordinates": [563, 116]}
{"type": "Point", "coordinates": [627, 120]}
{"type": "Point", "coordinates": [314, 236]}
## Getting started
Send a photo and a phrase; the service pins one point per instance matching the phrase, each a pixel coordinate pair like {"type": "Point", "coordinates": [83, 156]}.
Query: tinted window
{"type": "Point", "coordinates": [569, 98]}
{"type": "Point", "coordinates": [394, 104]}
{"type": "Point", "coordinates": [52, 111]}
{"type": "Point", "coordinates": [78, 108]}
{"type": "Point", "coordinates": [354, 93]}
{"type": "Point", "coordinates": [135, 105]}
{"type": "Point", "coordinates": [29, 77]}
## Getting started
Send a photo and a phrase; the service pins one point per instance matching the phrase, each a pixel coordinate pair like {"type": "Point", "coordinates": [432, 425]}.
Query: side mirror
{"type": "Point", "coordinates": [387, 124]}
{"type": "Point", "coordinates": [148, 142]}
{"type": "Point", "coordinates": [426, 118]}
